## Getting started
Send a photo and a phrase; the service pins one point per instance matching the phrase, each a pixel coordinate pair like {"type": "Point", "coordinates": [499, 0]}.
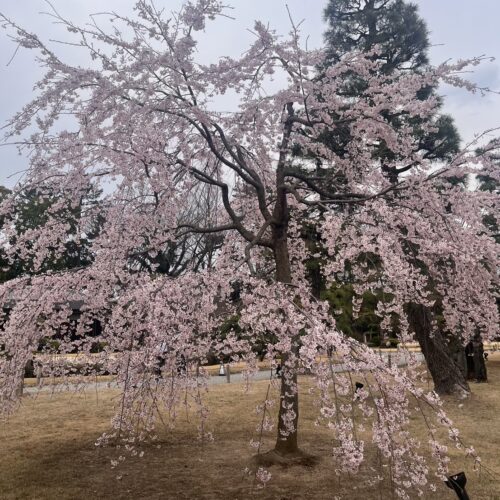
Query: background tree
{"type": "Point", "coordinates": [399, 37]}
{"type": "Point", "coordinates": [393, 25]}
{"type": "Point", "coordinates": [32, 209]}
{"type": "Point", "coordinates": [147, 83]}
{"type": "Point", "coordinates": [186, 250]}
{"type": "Point", "coordinates": [394, 29]}
{"type": "Point", "coordinates": [489, 182]}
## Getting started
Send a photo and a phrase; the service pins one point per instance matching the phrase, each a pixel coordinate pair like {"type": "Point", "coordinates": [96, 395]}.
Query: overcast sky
{"type": "Point", "coordinates": [459, 29]}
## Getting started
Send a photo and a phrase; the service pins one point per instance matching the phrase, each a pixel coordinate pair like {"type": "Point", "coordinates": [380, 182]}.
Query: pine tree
{"type": "Point", "coordinates": [393, 25]}
{"type": "Point", "coordinates": [398, 38]}
{"type": "Point", "coordinates": [394, 29]}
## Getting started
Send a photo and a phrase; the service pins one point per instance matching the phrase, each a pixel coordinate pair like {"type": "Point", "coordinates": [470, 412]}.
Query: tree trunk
{"type": "Point", "coordinates": [445, 372]}
{"type": "Point", "coordinates": [457, 352]}
{"type": "Point", "coordinates": [286, 449]}
{"type": "Point", "coordinates": [286, 442]}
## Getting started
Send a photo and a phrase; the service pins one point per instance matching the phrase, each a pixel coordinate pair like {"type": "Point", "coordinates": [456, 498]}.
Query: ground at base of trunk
{"type": "Point", "coordinates": [457, 391]}
{"type": "Point", "coordinates": [274, 457]}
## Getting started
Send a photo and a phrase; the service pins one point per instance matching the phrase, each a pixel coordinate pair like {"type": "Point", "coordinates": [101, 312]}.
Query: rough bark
{"type": "Point", "coordinates": [286, 450]}
{"type": "Point", "coordinates": [445, 372]}
{"type": "Point", "coordinates": [457, 352]}
{"type": "Point", "coordinates": [286, 442]}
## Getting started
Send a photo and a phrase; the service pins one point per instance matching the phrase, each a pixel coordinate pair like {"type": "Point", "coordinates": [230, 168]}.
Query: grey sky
{"type": "Point", "coordinates": [459, 29]}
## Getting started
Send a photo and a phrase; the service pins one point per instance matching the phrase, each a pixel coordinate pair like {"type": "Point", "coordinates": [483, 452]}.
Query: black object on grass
{"type": "Point", "coordinates": [457, 483]}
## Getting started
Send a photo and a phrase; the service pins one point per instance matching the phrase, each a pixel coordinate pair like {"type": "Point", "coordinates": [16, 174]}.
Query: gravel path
{"type": "Point", "coordinates": [399, 358]}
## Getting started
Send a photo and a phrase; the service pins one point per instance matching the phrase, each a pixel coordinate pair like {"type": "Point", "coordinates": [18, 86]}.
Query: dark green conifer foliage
{"type": "Point", "coordinates": [31, 211]}
{"type": "Point", "coordinates": [402, 41]}
{"type": "Point", "coordinates": [394, 26]}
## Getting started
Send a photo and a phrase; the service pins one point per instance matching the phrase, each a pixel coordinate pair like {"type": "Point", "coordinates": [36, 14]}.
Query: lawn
{"type": "Point", "coordinates": [47, 451]}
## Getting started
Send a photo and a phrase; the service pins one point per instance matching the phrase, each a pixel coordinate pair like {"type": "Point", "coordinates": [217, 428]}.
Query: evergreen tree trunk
{"type": "Point", "coordinates": [446, 373]}
{"type": "Point", "coordinates": [457, 352]}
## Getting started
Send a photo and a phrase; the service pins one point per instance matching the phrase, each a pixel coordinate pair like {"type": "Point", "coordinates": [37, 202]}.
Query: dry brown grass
{"type": "Point", "coordinates": [47, 452]}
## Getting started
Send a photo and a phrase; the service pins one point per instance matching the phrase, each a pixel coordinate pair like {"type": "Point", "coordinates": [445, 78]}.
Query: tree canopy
{"type": "Point", "coordinates": [146, 129]}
